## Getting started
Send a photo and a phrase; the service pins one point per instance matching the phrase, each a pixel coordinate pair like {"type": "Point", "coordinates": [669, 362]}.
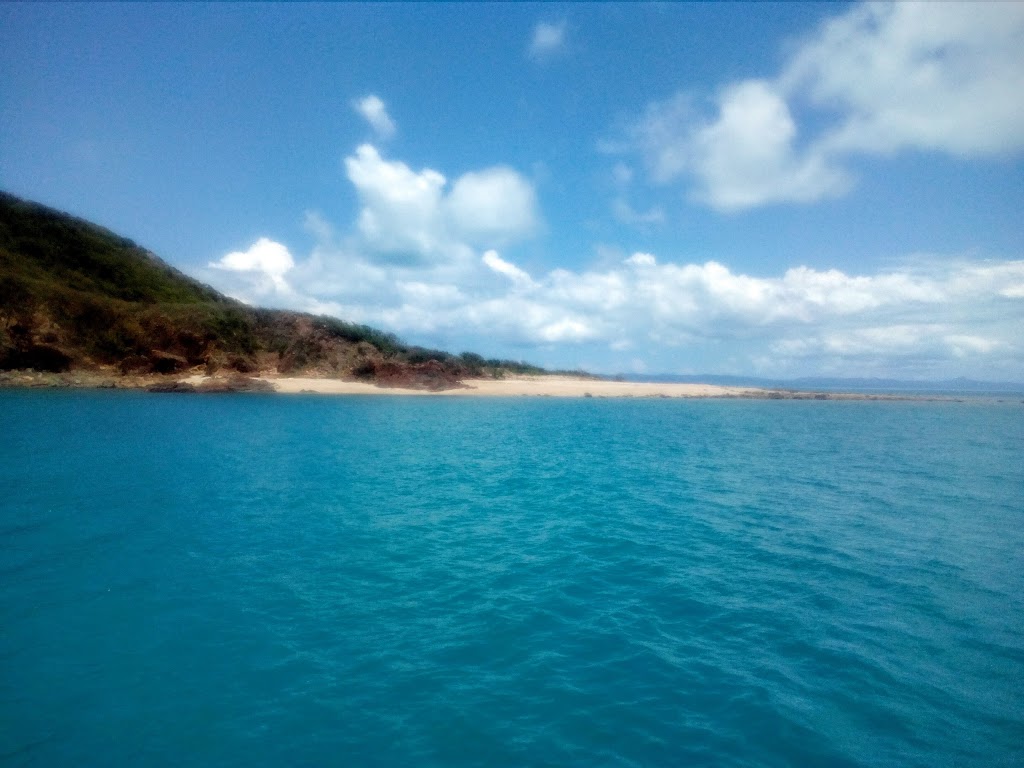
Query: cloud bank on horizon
{"type": "Point", "coordinates": [426, 255]}
{"type": "Point", "coordinates": [422, 258]}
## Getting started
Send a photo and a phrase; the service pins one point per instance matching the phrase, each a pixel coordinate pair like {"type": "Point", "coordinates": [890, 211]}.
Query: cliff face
{"type": "Point", "coordinates": [77, 297]}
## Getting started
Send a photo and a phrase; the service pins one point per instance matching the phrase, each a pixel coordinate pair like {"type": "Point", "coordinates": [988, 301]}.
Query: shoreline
{"type": "Point", "coordinates": [518, 386]}
{"type": "Point", "coordinates": [556, 386]}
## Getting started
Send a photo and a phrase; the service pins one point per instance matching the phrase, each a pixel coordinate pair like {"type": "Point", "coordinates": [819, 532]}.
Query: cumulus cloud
{"type": "Point", "coordinates": [413, 216]}
{"type": "Point", "coordinates": [427, 259]}
{"type": "Point", "coordinates": [265, 264]}
{"type": "Point", "coordinates": [883, 77]}
{"type": "Point", "coordinates": [401, 208]}
{"type": "Point", "coordinates": [747, 156]}
{"type": "Point", "coordinates": [935, 76]}
{"type": "Point", "coordinates": [547, 39]}
{"type": "Point", "coordinates": [935, 312]}
{"type": "Point", "coordinates": [495, 205]}
{"type": "Point", "coordinates": [373, 110]}
{"type": "Point", "coordinates": [923, 317]}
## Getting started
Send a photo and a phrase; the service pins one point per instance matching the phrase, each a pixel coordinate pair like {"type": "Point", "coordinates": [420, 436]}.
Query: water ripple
{"type": "Point", "coordinates": [391, 582]}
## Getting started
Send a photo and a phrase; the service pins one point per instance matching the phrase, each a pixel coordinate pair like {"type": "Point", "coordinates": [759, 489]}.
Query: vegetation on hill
{"type": "Point", "coordinates": [75, 296]}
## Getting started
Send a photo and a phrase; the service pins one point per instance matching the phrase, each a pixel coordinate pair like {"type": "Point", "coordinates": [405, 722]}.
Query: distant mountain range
{"type": "Point", "coordinates": [76, 297]}
{"type": "Point", "coordinates": [961, 385]}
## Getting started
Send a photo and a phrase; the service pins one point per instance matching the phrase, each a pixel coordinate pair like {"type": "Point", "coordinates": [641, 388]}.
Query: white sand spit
{"type": "Point", "coordinates": [521, 386]}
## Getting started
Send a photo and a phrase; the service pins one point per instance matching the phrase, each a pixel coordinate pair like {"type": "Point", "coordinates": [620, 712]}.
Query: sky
{"type": "Point", "coordinates": [764, 189]}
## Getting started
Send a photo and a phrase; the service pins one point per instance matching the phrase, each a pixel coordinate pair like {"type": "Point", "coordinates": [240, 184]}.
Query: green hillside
{"type": "Point", "coordinates": [75, 296]}
{"type": "Point", "coordinates": [52, 248]}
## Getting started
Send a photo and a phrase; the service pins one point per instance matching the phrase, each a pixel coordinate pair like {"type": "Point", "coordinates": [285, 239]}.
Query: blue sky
{"type": "Point", "coordinates": [772, 189]}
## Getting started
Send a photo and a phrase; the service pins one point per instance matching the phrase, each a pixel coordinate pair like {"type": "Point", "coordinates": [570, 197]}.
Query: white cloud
{"type": "Point", "coordinates": [964, 345]}
{"type": "Point", "coordinates": [409, 215]}
{"type": "Point", "coordinates": [547, 39]}
{"type": "Point", "coordinates": [664, 135]}
{"type": "Point", "coordinates": [747, 156]}
{"type": "Point", "coordinates": [943, 77]}
{"type": "Point", "coordinates": [926, 317]}
{"type": "Point", "coordinates": [266, 263]}
{"type": "Point", "coordinates": [375, 112]}
{"type": "Point", "coordinates": [935, 76]}
{"type": "Point", "coordinates": [921, 347]}
{"type": "Point", "coordinates": [401, 210]}
{"type": "Point", "coordinates": [449, 281]}
{"type": "Point", "coordinates": [496, 205]}
{"type": "Point", "coordinates": [641, 260]}
{"type": "Point", "coordinates": [502, 267]}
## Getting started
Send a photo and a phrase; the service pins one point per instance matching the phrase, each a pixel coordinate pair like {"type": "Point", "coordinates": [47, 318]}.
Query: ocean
{"type": "Point", "coordinates": [261, 580]}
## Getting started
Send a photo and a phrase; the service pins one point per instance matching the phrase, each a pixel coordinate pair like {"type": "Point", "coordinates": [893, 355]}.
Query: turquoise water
{"type": "Point", "coordinates": [258, 580]}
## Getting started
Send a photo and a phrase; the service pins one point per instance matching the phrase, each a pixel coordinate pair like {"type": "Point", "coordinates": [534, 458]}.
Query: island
{"type": "Point", "coordinates": [81, 306]}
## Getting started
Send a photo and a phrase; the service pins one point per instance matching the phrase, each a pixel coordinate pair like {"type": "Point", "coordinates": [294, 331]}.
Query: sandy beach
{"type": "Point", "coordinates": [511, 386]}
{"type": "Point", "coordinates": [521, 386]}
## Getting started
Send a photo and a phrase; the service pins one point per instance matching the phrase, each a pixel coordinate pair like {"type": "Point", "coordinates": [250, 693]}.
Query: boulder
{"type": "Point", "coordinates": [173, 387]}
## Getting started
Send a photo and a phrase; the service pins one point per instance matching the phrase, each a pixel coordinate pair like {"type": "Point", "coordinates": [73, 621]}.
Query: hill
{"type": "Point", "coordinates": [77, 297]}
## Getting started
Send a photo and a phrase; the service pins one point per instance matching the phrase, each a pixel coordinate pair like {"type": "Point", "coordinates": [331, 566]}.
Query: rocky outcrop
{"type": "Point", "coordinates": [173, 388]}
{"type": "Point", "coordinates": [230, 385]}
